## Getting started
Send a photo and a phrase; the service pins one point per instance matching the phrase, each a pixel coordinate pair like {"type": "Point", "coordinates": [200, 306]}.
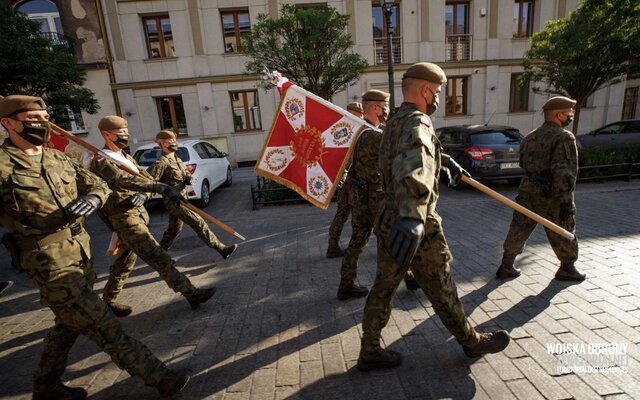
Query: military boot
{"type": "Point", "coordinates": [379, 359]}
{"type": "Point", "coordinates": [410, 281]}
{"type": "Point", "coordinates": [569, 272]}
{"type": "Point", "coordinates": [226, 251]}
{"type": "Point", "coordinates": [61, 392]}
{"type": "Point", "coordinates": [172, 382]}
{"type": "Point", "coordinates": [120, 310]}
{"type": "Point", "coordinates": [347, 290]}
{"type": "Point", "coordinates": [200, 296]}
{"type": "Point", "coordinates": [493, 342]}
{"type": "Point", "coordinates": [334, 251]}
{"type": "Point", "coordinates": [506, 269]}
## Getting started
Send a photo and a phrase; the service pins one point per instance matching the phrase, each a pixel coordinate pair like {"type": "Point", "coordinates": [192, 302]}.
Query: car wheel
{"type": "Point", "coordinates": [205, 195]}
{"type": "Point", "coordinates": [514, 181]}
{"type": "Point", "coordinates": [229, 180]}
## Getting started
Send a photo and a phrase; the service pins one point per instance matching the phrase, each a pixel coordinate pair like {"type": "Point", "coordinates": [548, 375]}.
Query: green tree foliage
{"type": "Point", "coordinates": [31, 64]}
{"type": "Point", "coordinates": [307, 45]}
{"type": "Point", "coordinates": [595, 46]}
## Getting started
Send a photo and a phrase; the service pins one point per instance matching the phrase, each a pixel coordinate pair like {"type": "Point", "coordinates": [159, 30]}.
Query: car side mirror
{"type": "Point", "coordinates": [222, 154]}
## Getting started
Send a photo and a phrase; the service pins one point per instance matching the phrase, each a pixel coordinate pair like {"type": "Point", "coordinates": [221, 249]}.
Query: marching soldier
{"type": "Point", "coordinates": [125, 214]}
{"type": "Point", "coordinates": [170, 169]}
{"type": "Point", "coordinates": [45, 199]}
{"type": "Point", "coordinates": [356, 109]}
{"type": "Point", "coordinates": [549, 157]}
{"type": "Point", "coordinates": [409, 228]}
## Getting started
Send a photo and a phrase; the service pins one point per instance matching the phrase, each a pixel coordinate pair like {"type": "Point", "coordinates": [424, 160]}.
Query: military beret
{"type": "Point", "coordinates": [375, 95]}
{"type": "Point", "coordinates": [16, 104]}
{"type": "Point", "coordinates": [111, 122]}
{"type": "Point", "coordinates": [355, 106]}
{"type": "Point", "coordinates": [165, 134]}
{"type": "Point", "coordinates": [559, 103]}
{"type": "Point", "coordinates": [426, 71]}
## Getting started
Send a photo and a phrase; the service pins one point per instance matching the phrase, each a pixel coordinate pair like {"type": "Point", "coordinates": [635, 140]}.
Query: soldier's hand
{"type": "Point", "coordinates": [455, 172]}
{"type": "Point", "coordinates": [188, 179]}
{"type": "Point", "coordinates": [84, 205]}
{"type": "Point", "coordinates": [138, 199]}
{"type": "Point", "coordinates": [566, 210]}
{"type": "Point", "coordinates": [404, 239]}
{"type": "Point", "coordinates": [173, 194]}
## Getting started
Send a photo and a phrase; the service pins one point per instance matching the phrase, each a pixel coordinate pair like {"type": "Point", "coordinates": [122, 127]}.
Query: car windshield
{"type": "Point", "coordinates": [494, 137]}
{"type": "Point", "coordinates": [147, 157]}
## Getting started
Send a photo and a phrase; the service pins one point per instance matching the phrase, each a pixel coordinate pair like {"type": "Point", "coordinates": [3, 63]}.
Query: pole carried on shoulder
{"type": "Point", "coordinates": [126, 168]}
{"type": "Point", "coordinates": [523, 210]}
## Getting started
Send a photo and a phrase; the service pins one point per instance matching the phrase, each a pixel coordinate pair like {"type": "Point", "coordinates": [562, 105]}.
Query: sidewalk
{"type": "Point", "coordinates": [275, 329]}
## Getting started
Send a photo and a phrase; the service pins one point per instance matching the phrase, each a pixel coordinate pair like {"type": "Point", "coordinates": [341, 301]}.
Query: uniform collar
{"type": "Point", "coordinates": [19, 156]}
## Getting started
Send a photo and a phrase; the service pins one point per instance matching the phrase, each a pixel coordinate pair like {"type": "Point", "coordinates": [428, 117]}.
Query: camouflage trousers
{"type": "Point", "coordinates": [342, 214]}
{"type": "Point", "coordinates": [132, 229]}
{"type": "Point", "coordinates": [521, 227]}
{"type": "Point", "coordinates": [431, 269]}
{"type": "Point", "coordinates": [364, 208]}
{"type": "Point", "coordinates": [178, 216]}
{"type": "Point", "coordinates": [79, 311]}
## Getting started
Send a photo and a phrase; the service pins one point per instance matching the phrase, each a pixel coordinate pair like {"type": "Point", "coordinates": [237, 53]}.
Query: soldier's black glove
{"type": "Point", "coordinates": [454, 172]}
{"type": "Point", "coordinates": [84, 205]}
{"type": "Point", "coordinates": [404, 239]}
{"type": "Point", "coordinates": [566, 209]}
{"type": "Point", "coordinates": [173, 194]}
{"type": "Point", "coordinates": [138, 199]}
{"type": "Point", "coordinates": [188, 180]}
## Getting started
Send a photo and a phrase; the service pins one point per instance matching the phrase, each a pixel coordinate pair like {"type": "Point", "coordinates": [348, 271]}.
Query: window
{"type": "Point", "coordinates": [157, 30]}
{"type": "Point", "coordinates": [246, 110]}
{"type": "Point", "coordinates": [456, 25]}
{"type": "Point", "coordinates": [630, 103]}
{"type": "Point", "coordinates": [44, 12]}
{"type": "Point", "coordinates": [172, 115]}
{"type": "Point", "coordinates": [522, 18]}
{"type": "Point", "coordinates": [213, 152]}
{"type": "Point", "coordinates": [456, 96]}
{"type": "Point", "coordinates": [380, 32]}
{"type": "Point", "coordinates": [73, 122]}
{"type": "Point", "coordinates": [519, 96]}
{"type": "Point", "coordinates": [235, 24]}
{"type": "Point", "coordinates": [202, 152]}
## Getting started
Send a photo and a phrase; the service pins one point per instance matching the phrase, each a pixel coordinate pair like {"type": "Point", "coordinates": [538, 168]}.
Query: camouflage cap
{"type": "Point", "coordinates": [426, 71]}
{"type": "Point", "coordinates": [165, 134]}
{"type": "Point", "coordinates": [355, 107]}
{"type": "Point", "coordinates": [375, 95]}
{"type": "Point", "coordinates": [559, 103]}
{"type": "Point", "coordinates": [16, 104]}
{"type": "Point", "coordinates": [111, 122]}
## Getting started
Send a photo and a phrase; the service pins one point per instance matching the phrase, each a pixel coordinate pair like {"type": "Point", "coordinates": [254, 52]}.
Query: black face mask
{"type": "Point", "coordinates": [121, 141]}
{"type": "Point", "coordinates": [35, 132]}
{"type": "Point", "coordinates": [173, 147]}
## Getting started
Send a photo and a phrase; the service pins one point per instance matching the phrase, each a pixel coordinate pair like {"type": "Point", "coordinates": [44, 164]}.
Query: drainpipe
{"type": "Point", "coordinates": [107, 53]}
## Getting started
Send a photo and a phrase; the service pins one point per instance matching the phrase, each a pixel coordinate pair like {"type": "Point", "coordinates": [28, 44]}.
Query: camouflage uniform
{"type": "Point", "coordinates": [410, 165]}
{"type": "Point", "coordinates": [172, 171]}
{"type": "Point", "coordinates": [342, 214]}
{"type": "Point", "coordinates": [130, 223]}
{"type": "Point", "coordinates": [56, 254]}
{"type": "Point", "coordinates": [550, 159]}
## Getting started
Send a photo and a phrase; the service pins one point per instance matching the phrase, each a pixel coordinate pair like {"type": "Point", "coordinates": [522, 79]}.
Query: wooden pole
{"type": "Point", "coordinates": [492, 193]}
{"type": "Point", "coordinates": [126, 168]}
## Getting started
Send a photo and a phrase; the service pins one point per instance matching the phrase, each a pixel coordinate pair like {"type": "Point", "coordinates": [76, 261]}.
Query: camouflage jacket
{"type": "Point", "coordinates": [409, 165]}
{"type": "Point", "coordinates": [365, 159]}
{"type": "Point", "coordinates": [169, 170]}
{"type": "Point", "coordinates": [123, 184]}
{"type": "Point", "coordinates": [549, 157]}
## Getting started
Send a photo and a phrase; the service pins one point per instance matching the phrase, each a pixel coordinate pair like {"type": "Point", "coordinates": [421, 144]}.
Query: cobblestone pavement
{"type": "Point", "coordinates": [275, 329]}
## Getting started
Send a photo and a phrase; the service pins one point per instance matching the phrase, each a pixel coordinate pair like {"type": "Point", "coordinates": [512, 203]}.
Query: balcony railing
{"type": "Point", "coordinates": [458, 47]}
{"type": "Point", "coordinates": [380, 49]}
{"type": "Point", "coordinates": [57, 39]}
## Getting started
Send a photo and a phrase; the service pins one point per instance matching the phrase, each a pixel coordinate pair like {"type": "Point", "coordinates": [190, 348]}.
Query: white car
{"type": "Point", "coordinates": [208, 165]}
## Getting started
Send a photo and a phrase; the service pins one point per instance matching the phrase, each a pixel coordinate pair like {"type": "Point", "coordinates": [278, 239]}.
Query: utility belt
{"type": "Point", "coordinates": [35, 242]}
{"type": "Point", "coordinates": [362, 184]}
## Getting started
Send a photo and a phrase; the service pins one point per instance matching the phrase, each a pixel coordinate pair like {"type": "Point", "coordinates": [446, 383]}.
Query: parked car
{"type": "Point", "coordinates": [621, 133]}
{"type": "Point", "coordinates": [209, 166]}
{"type": "Point", "coordinates": [488, 152]}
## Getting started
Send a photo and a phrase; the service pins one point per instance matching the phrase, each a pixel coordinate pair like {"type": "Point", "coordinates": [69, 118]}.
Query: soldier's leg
{"type": "Point", "coordinates": [520, 229]}
{"type": "Point", "coordinates": [362, 227]}
{"type": "Point", "coordinates": [118, 274]}
{"type": "Point", "coordinates": [566, 250]}
{"type": "Point", "coordinates": [53, 360]}
{"type": "Point", "coordinates": [199, 225]}
{"type": "Point", "coordinates": [335, 229]}
{"type": "Point", "coordinates": [173, 230]}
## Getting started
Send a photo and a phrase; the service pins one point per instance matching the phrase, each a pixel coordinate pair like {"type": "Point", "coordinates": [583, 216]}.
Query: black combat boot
{"type": "Point", "coordinates": [120, 310]}
{"type": "Point", "coordinates": [200, 296]}
{"type": "Point", "coordinates": [493, 342]}
{"type": "Point", "coordinates": [506, 269]}
{"type": "Point", "coordinates": [226, 251]}
{"type": "Point", "coordinates": [569, 272]}
{"type": "Point", "coordinates": [378, 360]}
{"type": "Point", "coordinates": [172, 382]}
{"type": "Point", "coordinates": [410, 281]}
{"type": "Point", "coordinates": [61, 392]}
{"type": "Point", "coordinates": [334, 251]}
{"type": "Point", "coordinates": [347, 290]}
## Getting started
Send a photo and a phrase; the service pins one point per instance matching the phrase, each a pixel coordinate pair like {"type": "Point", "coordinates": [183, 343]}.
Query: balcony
{"type": "Point", "coordinates": [57, 39]}
{"type": "Point", "coordinates": [380, 50]}
{"type": "Point", "coordinates": [458, 47]}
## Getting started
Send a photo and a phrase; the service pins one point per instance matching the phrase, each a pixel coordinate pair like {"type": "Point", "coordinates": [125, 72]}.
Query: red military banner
{"type": "Point", "coordinates": [309, 145]}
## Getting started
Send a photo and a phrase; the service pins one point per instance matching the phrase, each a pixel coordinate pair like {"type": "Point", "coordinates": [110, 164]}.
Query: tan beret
{"type": "Point", "coordinates": [165, 134]}
{"type": "Point", "coordinates": [426, 71]}
{"type": "Point", "coordinates": [375, 95]}
{"type": "Point", "coordinates": [111, 122]}
{"type": "Point", "coordinates": [559, 103]}
{"type": "Point", "coordinates": [16, 104]}
{"type": "Point", "coordinates": [356, 107]}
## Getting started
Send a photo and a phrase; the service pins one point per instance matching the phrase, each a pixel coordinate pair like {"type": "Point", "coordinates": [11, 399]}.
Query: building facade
{"type": "Point", "coordinates": [178, 64]}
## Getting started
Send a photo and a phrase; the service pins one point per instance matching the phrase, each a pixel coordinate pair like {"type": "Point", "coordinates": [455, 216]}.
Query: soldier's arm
{"type": "Point", "coordinates": [564, 163]}
{"type": "Point", "coordinates": [119, 179]}
{"type": "Point", "coordinates": [89, 183]}
{"type": "Point", "coordinates": [156, 170]}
